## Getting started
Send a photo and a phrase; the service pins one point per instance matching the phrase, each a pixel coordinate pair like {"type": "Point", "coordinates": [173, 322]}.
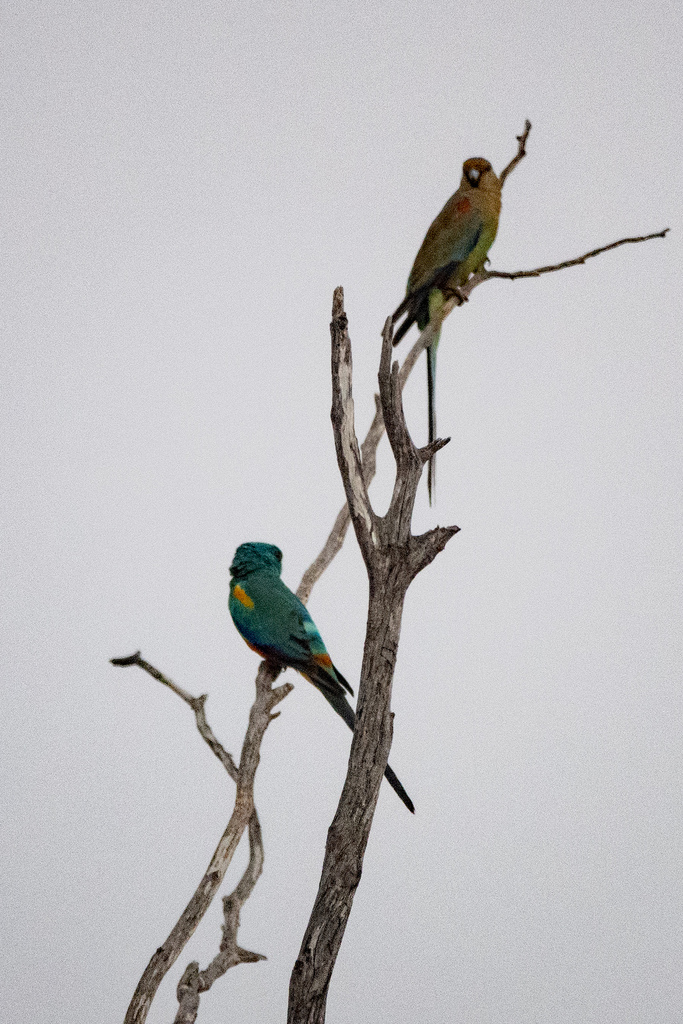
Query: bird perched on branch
{"type": "Point", "coordinates": [275, 623]}
{"type": "Point", "coordinates": [454, 247]}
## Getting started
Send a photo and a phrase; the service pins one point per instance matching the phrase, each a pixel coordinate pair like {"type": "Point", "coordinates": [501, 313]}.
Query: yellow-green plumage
{"type": "Point", "coordinates": [455, 246]}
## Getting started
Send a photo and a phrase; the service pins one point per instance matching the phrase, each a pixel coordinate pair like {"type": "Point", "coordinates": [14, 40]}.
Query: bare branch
{"type": "Point", "coordinates": [390, 397]}
{"type": "Point", "coordinates": [348, 451]}
{"type": "Point", "coordinates": [409, 463]}
{"type": "Point", "coordinates": [333, 544]}
{"type": "Point", "coordinates": [187, 993]}
{"type": "Point", "coordinates": [486, 275]}
{"type": "Point", "coordinates": [428, 546]}
{"type": "Point", "coordinates": [194, 981]}
{"type": "Point", "coordinates": [196, 703]}
{"type": "Point", "coordinates": [521, 152]}
{"type": "Point", "coordinates": [481, 276]}
{"type": "Point", "coordinates": [136, 659]}
{"type": "Point", "coordinates": [432, 448]}
{"type": "Point", "coordinates": [368, 450]}
{"type": "Point", "coordinates": [331, 547]}
{"type": "Point", "coordinates": [392, 557]}
{"type": "Point", "coordinates": [243, 815]}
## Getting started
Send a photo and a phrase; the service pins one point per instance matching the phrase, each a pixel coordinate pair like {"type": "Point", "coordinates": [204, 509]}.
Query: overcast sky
{"type": "Point", "coordinates": [183, 185]}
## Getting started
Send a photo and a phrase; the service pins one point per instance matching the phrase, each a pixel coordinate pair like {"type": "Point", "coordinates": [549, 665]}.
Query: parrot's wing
{"type": "Point", "coordinates": [440, 255]}
{"type": "Point", "coordinates": [453, 248]}
{"type": "Point", "coordinates": [450, 239]}
{"type": "Point", "coordinates": [300, 644]}
{"type": "Point", "coordinates": [467, 237]}
{"type": "Point", "coordinates": [327, 675]}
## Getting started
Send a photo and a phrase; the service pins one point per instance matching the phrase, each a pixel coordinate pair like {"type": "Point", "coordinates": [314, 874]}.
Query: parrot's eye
{"type": "Point", "coordinates": [473, 176]}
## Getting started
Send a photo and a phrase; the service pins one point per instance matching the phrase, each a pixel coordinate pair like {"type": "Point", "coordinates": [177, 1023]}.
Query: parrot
{"type": "Point", "coordinates": [455, 246]}
{"type": "Point", "coordinates": [277, 626]}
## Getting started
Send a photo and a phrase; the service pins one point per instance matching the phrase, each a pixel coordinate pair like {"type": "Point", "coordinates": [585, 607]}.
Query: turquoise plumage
{"type": "Point", "coordinates": [277, 626]}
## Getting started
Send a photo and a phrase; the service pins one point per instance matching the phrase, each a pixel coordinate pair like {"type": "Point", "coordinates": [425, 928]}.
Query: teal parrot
{"type": "Point", "coordinates": [454, 247]}
{"type": "Point", "coordinates": [276, 625]}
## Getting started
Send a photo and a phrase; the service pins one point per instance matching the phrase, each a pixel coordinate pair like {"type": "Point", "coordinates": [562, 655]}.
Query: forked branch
{"type": "Point", "coordinates": [243, 815]}
{"type": "Point", "coordinates": [392, 556]}
{"type": "Point", "coordinates": [381, 540]}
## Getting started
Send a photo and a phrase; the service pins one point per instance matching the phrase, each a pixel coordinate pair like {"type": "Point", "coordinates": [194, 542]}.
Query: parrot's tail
{"type": "Point", "coordinates": [431, 412]}
{"type": "Point", "coordinates": [390, 776]}
{"type": "Point", "coordinates": [345, 711]}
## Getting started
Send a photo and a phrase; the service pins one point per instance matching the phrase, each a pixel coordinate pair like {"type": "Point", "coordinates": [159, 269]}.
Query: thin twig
{"type": "Point", "coordinates": [521, 152]}
{"type": "Point", "coordinates": [486, 275]}
{"type": "Point", "coordinates": [482, 276]}
{"type": "Point", "coordinates": [196, 703]}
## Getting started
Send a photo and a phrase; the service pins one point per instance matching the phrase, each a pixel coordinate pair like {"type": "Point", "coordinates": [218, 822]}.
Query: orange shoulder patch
{"type": "Point", "coordinates": [463, 206]}
{"type": "Point", "coordinates": [243, 597]}
{"type": "Point", "coordinates": [324, 660]}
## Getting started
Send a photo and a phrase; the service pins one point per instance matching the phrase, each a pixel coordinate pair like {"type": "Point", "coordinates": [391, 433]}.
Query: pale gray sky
{"type": "Point", "coordinates": [183, 186]}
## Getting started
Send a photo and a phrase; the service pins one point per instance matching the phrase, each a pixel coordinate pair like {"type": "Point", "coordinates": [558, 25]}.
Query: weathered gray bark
{"type": "Point", "coordinates": [243, 815]}
{"type": "Point", "coordinates": [393, 557]}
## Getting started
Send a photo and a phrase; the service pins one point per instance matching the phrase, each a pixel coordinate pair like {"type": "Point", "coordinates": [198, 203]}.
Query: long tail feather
{"type": "Point", "coordinates": [345, 711]}
{"type": "Point", "coordinates": [390, 776]}
{"type": "Point", "coordinates": [431, 411]}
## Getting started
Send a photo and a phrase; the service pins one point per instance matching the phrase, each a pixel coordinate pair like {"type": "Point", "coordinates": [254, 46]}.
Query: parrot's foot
{"type": "Point", "coordinates": [456, 293]}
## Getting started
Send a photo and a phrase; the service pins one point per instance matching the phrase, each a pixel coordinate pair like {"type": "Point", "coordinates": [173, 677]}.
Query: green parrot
{"type": "Point", "coordinates": [455, 246]}
{"type": "Point", "coordinates": [276, 625]}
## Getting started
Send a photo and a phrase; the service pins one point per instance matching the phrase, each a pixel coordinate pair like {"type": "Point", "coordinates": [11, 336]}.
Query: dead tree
{"type": "Point", "coordinates": [393, 557]}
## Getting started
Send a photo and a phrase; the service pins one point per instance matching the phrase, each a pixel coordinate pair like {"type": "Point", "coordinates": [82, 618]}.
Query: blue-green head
{"type": "Point", "coordinates": [256, 557]}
